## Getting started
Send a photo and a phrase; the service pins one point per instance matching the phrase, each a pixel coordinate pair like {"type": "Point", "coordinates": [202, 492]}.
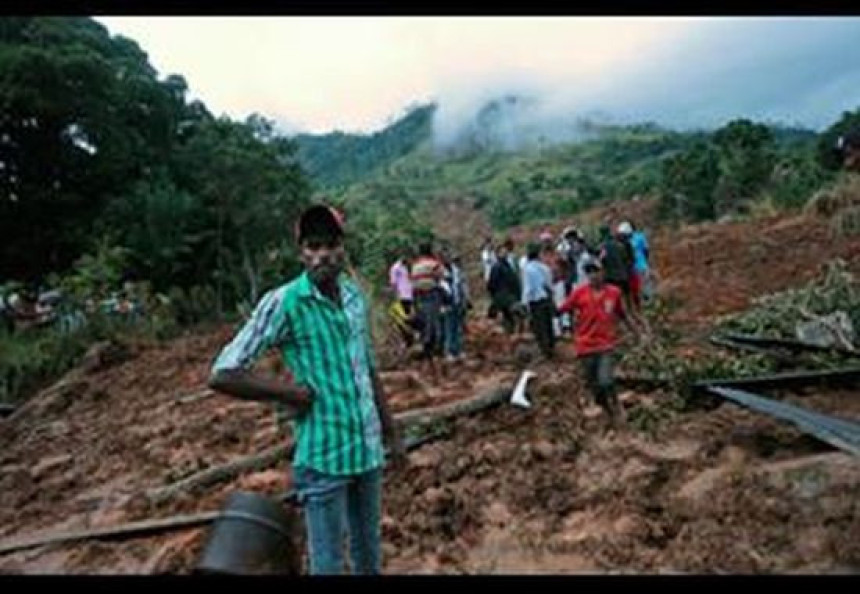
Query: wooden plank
{"type": "Point", "coordinates": [111, 532]}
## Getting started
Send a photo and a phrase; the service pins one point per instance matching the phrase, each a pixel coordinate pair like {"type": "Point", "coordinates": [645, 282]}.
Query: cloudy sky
{"type": "Point", "coordinates": [319, 74]}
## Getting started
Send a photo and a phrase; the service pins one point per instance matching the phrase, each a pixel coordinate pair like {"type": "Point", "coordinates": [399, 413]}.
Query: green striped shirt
{"type": "Point", "coordinates": [328, 349]}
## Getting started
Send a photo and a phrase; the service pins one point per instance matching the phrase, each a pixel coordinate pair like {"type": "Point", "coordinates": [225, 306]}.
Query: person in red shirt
{"type": "Point", "coordinates": [598, 307]}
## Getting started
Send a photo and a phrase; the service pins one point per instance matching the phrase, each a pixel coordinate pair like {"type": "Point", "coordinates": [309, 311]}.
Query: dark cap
{"type": "Point", "coordinates": [320, 220]}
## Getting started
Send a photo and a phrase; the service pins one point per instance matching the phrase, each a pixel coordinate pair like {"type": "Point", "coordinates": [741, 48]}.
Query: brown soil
{"type": "Point", "coordinates": [544, 490]}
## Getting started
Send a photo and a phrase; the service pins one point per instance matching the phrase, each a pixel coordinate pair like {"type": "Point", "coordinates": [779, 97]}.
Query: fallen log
{"type": "Point", "coordinates": [839, 433]}
{"type": "Point", "coordinates": [264, 460]}
{"type": "Point", "coordinates": [796, 379]}
{"type": "Point", "coordinates": [425, 416]}
{"type": "Point", "coordinates": [48, 396]}
{"type": "Point", "coordinates": [231, 470]}
{"type": "Point", "coordinates": [224, 472]}
{"type": "Point", "coordinates": [123, 531]}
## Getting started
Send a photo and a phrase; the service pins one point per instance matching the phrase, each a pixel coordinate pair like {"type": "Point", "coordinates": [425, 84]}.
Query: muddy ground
{"type": "Point", "coordinates": [545, 490]}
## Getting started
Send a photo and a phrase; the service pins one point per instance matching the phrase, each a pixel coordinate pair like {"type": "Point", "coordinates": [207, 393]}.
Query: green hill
{"type": "Point", "coordinates": [699, 174]}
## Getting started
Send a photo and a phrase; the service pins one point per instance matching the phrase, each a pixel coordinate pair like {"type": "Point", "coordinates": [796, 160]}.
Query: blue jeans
{"type": "Point", "coordinates": [453, 321]}
{"type": "Point", "coordinates": [333, 502]}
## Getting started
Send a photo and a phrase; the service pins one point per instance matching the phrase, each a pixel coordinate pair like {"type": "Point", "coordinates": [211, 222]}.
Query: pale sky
{"type": "Point", "coordinates": [318, 74]}
{"type": "Point", "coordinates": [356, 73]}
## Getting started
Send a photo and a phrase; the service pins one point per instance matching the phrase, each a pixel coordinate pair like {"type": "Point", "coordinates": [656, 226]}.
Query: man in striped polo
{"type": "Point", "coordinates": [319, 322]}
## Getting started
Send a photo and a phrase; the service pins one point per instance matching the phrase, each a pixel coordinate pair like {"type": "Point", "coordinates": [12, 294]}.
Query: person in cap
{"type": "Point", "coordinates": [598, 307]}
{"type": "Point", "coordinates": [320, 324]}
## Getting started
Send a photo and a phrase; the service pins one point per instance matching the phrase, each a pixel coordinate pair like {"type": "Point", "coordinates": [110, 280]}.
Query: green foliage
{"type": "Point", "coordinates": [96, 146]}
{"type": "Point", "coordinates": [746, 161]}
{"type": "Point", "coordinates": [689, 181]}
{"type": "Point", "coordinates": [338, 159]}
{"type": "Point", "coordinates": [96, 274]}
{"type": "Point", "coordinates": [389, 222]}
{"type": "Point", "coordinates": [827, 156]}
{"type": "Point", "coordinates": [777, 315]}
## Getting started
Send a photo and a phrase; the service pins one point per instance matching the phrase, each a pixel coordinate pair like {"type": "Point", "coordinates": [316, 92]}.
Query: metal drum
{"type": "Point", "coordinates": [254, 535]}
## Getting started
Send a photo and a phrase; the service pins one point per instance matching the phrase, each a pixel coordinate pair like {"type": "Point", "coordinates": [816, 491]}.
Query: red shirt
{"type": "Point", "coordinates": [597, 313]}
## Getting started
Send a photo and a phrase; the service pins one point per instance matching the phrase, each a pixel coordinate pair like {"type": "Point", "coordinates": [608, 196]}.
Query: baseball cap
{"type": "Point", "coordinates": [319, 219]}
{"type": "Point", "coordinates": [625, 228]}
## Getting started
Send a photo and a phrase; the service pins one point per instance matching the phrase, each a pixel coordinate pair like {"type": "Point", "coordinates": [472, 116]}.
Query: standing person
{"type": "Point", "coordinates": [399, 281]}
{"type": "Point", "coordinates": [400, 286]}
{"type": "Point", "coordinates": [537, 295]}
{"type": "Point", "coordinates": [617, 261]}
{"type": "Point", "coordinates": [598, 307]}
{"type": "Point", "coordinates": [625, 237]}
{"type": "Point", "coordinates": [426, 278]}
{"type": "Point", "coordinates": [455, 315]}
{"type": "Point", "coordinates": [319, 321]}
{"type": "Point", "coordinates": [641, 262]}
{"type": "Point", "coordinates": [488, 257]}
{"type": "Point", "coordinates": [505, 287]}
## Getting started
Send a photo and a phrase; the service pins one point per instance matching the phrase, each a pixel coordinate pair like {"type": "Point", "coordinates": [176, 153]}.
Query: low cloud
{"type": "Point", "coordinates": [801, 71]}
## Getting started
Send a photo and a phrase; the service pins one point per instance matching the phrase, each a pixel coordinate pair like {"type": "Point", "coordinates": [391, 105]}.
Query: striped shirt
{"type": "Point", "coordinates": [328, 349]}
{"type": "Point", "coordinates": [427, 271]}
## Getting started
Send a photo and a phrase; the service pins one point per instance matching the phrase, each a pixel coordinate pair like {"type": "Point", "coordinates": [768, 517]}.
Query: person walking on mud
{"type": "Point", "coordinates": [319, 321]}
{"type": "Point", "coordinates": [427, 275]}
{"type": "Point", "coordinates": [598, 307]}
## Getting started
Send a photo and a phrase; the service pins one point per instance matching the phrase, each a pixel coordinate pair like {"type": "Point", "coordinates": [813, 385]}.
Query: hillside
{"type": "Point", "coordinates": [515, 174]}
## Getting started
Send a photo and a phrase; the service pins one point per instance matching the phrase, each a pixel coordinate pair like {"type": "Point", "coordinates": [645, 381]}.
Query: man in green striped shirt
{"type": "Point", "coordinates": [319, 322]}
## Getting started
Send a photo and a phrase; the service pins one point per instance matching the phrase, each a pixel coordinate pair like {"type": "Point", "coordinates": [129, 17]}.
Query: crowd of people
{"type": "Point", "coordinates": [558, 286]}
{"type": "Point", "coordinates": [566, 286]}
{"type": "Point", "coordinates": [430, 299]}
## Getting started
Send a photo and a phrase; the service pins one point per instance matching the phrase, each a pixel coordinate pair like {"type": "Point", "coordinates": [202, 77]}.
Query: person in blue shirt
{"type": "Point", "coordinates": [640, 284]}
{"type": "Point", "coordinates": [537, 295]}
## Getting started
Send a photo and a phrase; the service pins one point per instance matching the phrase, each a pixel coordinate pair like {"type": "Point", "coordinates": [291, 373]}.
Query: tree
{"type": "Point", "coordinates": [828, 157]}
{"type": "Point", "coordinates": [688, 183]}
{"type": "Point", "coordinates": [746, 161]}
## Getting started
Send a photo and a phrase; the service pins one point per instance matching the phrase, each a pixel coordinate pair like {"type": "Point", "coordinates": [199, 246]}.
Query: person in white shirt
{"type": "Point", "coordinates": [488, 257]}
{"type": "Point", "coordinates": [537, 295]}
